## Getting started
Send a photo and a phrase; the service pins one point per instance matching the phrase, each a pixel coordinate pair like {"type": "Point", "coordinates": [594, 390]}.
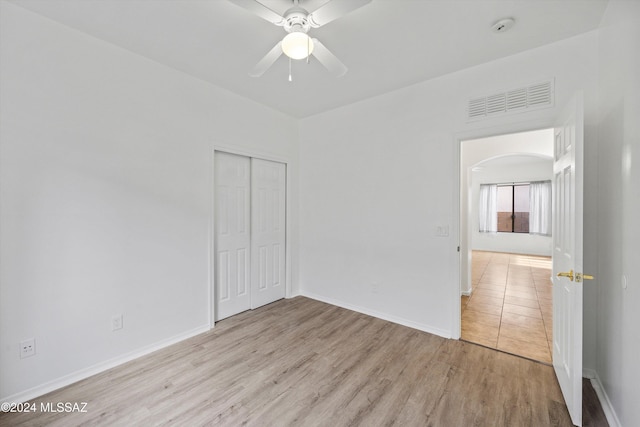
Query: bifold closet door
{"type": "Point", "coordinates": [233, 234]}
{"type": "Point", "coordinates": [250, 224]}
{"type": "Point", "coordinates": [268, 219]}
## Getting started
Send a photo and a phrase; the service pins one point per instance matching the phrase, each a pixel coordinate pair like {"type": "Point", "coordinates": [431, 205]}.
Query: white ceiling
{"type": "Point", "coordinates": [387, 44]}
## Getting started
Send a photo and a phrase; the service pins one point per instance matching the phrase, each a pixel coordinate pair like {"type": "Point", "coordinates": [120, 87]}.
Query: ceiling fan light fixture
{"type": "Point", "coordinates": [297, 45]}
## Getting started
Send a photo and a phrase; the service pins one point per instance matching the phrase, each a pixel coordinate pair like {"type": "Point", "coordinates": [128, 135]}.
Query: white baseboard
{"type": "Point", "coordinates": [81, 374]}
{"type": "Point", "coordinates": [411, 324]}
{"type": "Point", "coordinates": [607, 407]}
{"type": "Point", "coordinates": [467, 293]}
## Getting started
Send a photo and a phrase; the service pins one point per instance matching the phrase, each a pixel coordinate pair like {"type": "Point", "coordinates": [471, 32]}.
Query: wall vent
{"type": "Point", "coordinates": [532, 97]}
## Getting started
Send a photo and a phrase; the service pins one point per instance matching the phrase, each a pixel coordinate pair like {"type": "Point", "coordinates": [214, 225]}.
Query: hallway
{"type": "Point", "coordinates": [510, 308]}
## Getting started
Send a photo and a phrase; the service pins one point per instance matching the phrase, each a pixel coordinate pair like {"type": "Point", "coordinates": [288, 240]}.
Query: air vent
{"type": "Point", "coordinates": [522, 99]}
{"type": "Point", "coordinates": [478, 107]}
{"type": "Point", "coordinates": [516, 99]}
{"type": "Point", "coordinates": [539, 94]}
{"type": "Point", "coordinates": [496, 104]}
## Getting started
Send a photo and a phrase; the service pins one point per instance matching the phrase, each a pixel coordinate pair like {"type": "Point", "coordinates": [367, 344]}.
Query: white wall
{"type": "Point", "coordinates": [618, 342]}
{"type": "Point", "coordinates": [378, 177]}
{"type": "Point", "coordinates": [473, 152]}
{"type": "Point", "coordinates": [106, 198]}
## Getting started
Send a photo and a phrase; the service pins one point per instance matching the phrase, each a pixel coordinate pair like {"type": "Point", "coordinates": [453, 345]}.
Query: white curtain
{"type": "Point", "coordinates": [540, 208]}
{"type": "Point", "coordinates": [488, 208]}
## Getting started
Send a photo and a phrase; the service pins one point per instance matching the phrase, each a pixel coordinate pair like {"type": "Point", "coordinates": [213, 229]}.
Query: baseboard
{"type": "Point", "coordinates": [384, 316]}
{"type": "Point", "coordinates": [99, 367]}
{"type": "Point", "coordinates": [607, 407]}
{"type": "Point", "coordinates": [467, 293]}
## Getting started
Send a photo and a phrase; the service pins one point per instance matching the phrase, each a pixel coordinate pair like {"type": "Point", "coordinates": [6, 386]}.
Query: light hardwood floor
{"type": "Point", "coordinates": [510, 308]}
{"type": "Point", "coordinates": [305, 363]}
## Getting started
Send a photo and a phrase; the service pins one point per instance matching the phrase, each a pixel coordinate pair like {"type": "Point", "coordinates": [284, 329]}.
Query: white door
{"type": "Point", "coordinates": [268, 180]}
{"type": "Point", "coordinates": [567, 255]}
{"type": "Point", "coordinates": [232, 234]}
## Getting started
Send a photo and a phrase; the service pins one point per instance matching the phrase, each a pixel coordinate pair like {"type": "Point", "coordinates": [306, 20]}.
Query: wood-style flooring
{"type": "Point", "coordinates": [301, 362]}
{"type": "Point", "coordinates": [510, 308]}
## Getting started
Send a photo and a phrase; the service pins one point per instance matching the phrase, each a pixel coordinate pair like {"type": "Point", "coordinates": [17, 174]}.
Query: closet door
{"type": "Point", "coordinates": [232, 234]}
{"type": "Point", "coordinates": [268, 219]}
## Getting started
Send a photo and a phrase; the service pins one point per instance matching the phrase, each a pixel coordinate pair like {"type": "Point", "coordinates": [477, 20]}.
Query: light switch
{"type": "Point", "coordinates": [442, 231]}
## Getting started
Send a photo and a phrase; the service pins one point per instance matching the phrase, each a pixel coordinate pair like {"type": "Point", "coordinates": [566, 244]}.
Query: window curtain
{"type": "Point", "coordinates": [488, 208]}
{"type": "Point", "coordinates": [540, 208]}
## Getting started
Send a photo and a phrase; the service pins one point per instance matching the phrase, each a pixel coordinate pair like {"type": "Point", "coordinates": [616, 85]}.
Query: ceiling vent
{"type": "Point", "coordinates": [528, 98]}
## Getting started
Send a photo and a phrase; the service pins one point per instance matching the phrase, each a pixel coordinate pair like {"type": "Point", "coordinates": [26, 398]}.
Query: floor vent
{"type": "Point", "coordinates": [522, 99]}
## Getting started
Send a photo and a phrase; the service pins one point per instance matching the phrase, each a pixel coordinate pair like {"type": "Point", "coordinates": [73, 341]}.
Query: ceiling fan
{"type": "Point", "coordinates": [297, 22]}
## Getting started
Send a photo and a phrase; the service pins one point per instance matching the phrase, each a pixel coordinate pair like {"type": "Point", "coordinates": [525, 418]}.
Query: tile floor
{"type": "Point", "coordinates": [510, 306]}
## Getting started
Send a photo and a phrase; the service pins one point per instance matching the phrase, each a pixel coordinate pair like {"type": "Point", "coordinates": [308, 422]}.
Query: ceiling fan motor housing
{"type": "Point", "coordinates": [295, 20]}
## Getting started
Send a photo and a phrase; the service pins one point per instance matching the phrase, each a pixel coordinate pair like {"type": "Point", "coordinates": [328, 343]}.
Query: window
{"type": "Point", "coordinates": [513, 208]}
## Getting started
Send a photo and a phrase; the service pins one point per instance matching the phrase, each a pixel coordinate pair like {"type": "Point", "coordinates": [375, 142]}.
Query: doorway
{"type": "Point", "coordinates": [506, 301]}
{"type": "Point", "coordinates": [249, 233]}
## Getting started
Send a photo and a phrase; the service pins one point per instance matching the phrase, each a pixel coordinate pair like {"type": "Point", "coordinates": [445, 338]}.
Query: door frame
{"type": "Point", "coordinates": [211, 235]}
{"type": "Point", "coordinates": [460, 227]}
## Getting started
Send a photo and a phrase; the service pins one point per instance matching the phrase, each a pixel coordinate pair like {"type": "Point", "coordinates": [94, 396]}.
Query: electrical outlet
{"type": "Point", "coordinates": [27, 348]}
{"type": "Point", "coordinates": [375, 287]}
{"type": "Point", "coordinates": [116, 322]}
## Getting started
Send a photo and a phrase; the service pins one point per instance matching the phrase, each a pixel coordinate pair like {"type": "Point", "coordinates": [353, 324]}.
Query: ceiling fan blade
{"type": "Point", "coordinates": [328, 59]}
{"type": "Point", "coordinates": [334, 9]}
{"type": "Point", "coordinates": [259, 9]}
{"type": "Point", "coordinates": [267, 61]}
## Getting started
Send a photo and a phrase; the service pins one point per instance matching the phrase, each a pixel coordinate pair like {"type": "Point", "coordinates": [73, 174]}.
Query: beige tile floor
{"type": "Point", "coordinates": [510, 306]}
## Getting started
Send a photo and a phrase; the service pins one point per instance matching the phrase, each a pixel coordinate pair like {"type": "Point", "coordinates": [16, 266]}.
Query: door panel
{"type": "Point", "coordinates": [268, 181]}
{"type": "Point", "coordinates": [567, 255]}
{"type": "Point", "coordinates": [232, 234]}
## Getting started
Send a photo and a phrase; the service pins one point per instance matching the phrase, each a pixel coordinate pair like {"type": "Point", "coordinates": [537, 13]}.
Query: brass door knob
{"type": "Point", "coordinates": [568, 274]}
{"type": "Point", "coordinates": [580, 277]}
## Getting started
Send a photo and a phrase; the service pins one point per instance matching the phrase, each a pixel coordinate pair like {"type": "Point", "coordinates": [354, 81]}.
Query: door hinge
{"type": "Point", "coordinates": [458, 248]}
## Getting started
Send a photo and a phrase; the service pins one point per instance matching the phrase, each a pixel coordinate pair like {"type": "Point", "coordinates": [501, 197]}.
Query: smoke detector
{"type": "Point", "coordinates": [503, 25]}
